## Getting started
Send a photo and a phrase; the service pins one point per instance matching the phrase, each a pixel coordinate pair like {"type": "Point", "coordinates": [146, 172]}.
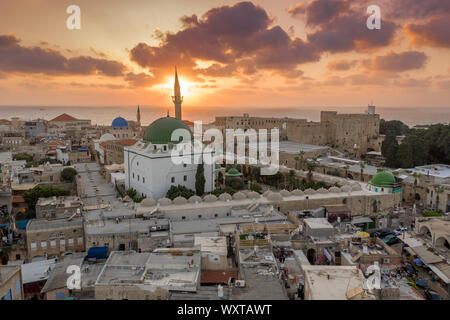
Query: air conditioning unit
{"type": "Point", "coordinates": [239, 283]}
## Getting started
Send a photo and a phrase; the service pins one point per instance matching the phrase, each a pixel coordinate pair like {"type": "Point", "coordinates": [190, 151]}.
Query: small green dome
{"type": "Point", "coordinates": [383, 179]}
{"type": "Point", "coordinates": [160, 131]}
{"type": "Point", "coordinates": [233, 172]}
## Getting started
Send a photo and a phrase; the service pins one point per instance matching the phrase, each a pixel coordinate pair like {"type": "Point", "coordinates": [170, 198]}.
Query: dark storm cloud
{"type": "Point", "coordinates": [341, 65]}
{"type": "Point", "coordinates": [433, 33]}
{"type": "Point", "coordinates": [415, 9]}
{"type": "Point", "coordinates": [396, 62]}
{"type": "Point", "coordinates": [236, 38]}
{"type": "Point", "coordinates": [15, 58]}
{"type": "Point", "coordinates": [319, 12]}
{"type": "Point", "coordinates": [340, 26]}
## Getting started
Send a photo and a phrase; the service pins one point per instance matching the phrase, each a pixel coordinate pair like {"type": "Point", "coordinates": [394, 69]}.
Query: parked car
{"type": "Point", "coordinates": [431, 295]}
{"type": "Point", "coordinates": [400, 231]}
{"type": "Point", "coordinates": [381, 233]}
{"type": "Point", "coordinates": [390, 239]}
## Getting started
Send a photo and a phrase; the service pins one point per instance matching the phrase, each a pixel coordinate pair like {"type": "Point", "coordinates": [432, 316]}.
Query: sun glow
{"type": "Point", "coordinates": [187, 88]}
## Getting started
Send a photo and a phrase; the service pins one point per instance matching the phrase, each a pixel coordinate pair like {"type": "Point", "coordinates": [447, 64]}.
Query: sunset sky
{"type": "Point", "coordinates": [266, 53]}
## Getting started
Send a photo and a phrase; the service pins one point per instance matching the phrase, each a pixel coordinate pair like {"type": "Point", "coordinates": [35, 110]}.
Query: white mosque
{"type": "Point", "coordinates": [149, 168]}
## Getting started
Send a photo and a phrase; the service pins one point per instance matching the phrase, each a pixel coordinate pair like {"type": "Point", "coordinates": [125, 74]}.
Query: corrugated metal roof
{"type": "Point", "coordinates": [426, 256]}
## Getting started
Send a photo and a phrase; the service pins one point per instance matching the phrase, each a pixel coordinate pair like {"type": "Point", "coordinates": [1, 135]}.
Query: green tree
{"type": "Point", "coordinates": [68, 174]}
{"type": "Point", "coordinates": [200, 180]}
{"type": "Point", "coordinates": [179, 191]}
{"type": "Point", "coordinates": [32, 196]}
{"type": "Point", "coordinates": [346, 167]}
{"type": "Point", "coordinates": [131, 193]}
{"type": "Point", "coordinates": [395, 127]}
{"type": "Point", "coordinates": [256, 187]}
{"type": "Point", "coordinates": [389, 149]}
{"type": "Point", "coordinates": [311, 165]}
{"type": "Point", "coordinates": [405, 156]}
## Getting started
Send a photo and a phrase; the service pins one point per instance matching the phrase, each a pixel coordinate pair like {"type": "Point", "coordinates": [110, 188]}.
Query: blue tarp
{"type": "Point", "coordinates": [22, 224]}
{"type": "Point", "coordinates": [98, 253]}
{"type": "Point", "coordinates": [418, 261]}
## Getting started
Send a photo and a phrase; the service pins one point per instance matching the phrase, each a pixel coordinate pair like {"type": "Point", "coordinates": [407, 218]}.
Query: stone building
{"type": "Point", "coordinates": [354, 133]}
{"type": "Point", "coordinates": [150, 168]}
{"type": "Point", "coordinates": [54, 237]}
{"type": "Point", "coordinates": [58, 207]}
{"type": "Point", "coordinates": [10, 283]}
{"type": "Point", "coordinates": [114, 150]}
{"type": "Point", "coordinates": [67, 122]}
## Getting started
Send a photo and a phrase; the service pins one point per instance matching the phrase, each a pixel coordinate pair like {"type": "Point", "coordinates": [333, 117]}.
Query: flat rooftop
{"type": "Point", "coordinates": [318, 223]}
{"type": "Point", "coordinates": [259, 285]}
{"type": "Point", "coordinates": [125, 226]}
{"type": "Point", "coordinates": [332, 282]}
{"type": "Point", "coordinates": [435, 170]}
{"type": "Point", "coordinates": [123, 267]}
{"type": "Point", "coordinates": [44, 224]}
{"type": "Point", "coordinates": [214, 245]}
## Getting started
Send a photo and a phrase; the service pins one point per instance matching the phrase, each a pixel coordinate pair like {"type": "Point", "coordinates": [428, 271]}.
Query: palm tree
{"type": "Point", "coordinates": [362, 165]}
{"type": "Point", "coordinates": [346, 167]}
{"type": "Point", "coordinates": [301, 154]}
{"type": "Point", "coordinates": [311, 165]}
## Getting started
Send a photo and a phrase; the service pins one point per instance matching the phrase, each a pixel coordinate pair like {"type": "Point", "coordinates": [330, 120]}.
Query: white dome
{"type": "Point", "coordinates": [253, 195]}
{"type": "Point", "coordinates": [179, 200]}
{"type": "Point", "coordinates": [239, 196]}
{"type": "Point", "coordinates": [225, 196]}
{"type": "Point", "coordinates": [285, 193]}
{"type": "Point", "coordinates": [194, 199]}
{"type": "Point", "coordinates": [322, 190]}
{"type": "Point", "coordinates": [164, 201]}
{"type": "Point", "coordinates": [297, 192]}
{"type": "Point", "coordinates": [334, 190]}
{"type": "Point", "coordinates": [275, 196]}
{"type": "Point", "coordinates": [310, 191]}
{"type": "Point", "coordinates": [210, 198]}
{"type": "Point", "coordinates": [148, 202]}
{"type": "Point", "coordinates": [107, 137]}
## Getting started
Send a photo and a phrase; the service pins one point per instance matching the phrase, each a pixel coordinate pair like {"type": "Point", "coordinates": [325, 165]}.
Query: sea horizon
{"type": "Point", "coordinates": [409, 115]}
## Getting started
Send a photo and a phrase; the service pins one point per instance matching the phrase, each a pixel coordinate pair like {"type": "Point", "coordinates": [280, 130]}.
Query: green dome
{"type": "Point", "coordinates": [160, 131]}
{"type": "Point", "coordinates": [383, 179]}
{"type": "Point", "coordinates": [233, 172]}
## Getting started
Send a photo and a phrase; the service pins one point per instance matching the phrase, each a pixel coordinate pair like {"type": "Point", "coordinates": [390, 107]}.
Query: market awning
{"type": "Point", "coordinates": [358, 220]}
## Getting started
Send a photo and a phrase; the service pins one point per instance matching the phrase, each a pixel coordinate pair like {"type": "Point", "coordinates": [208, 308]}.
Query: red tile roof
{"type": "Point", "coordinates": [5, 121]}
{"type": "Point", "coordinates": [127, 142]}
{"type": "Point", "coordinates": [189, 123]}
{"type": "Point", "coordinates": [55, 143]}
{"type": "Point", "coordinates": [64, 117]}
{"type": "Point", "coordinates": [218, 276]}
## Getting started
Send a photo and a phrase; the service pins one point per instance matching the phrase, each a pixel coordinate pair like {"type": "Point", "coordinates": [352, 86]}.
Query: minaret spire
{"type": "Point", "coordinates": [138, 116]}
{"type": "Point", "coordinates": [177, 99]}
